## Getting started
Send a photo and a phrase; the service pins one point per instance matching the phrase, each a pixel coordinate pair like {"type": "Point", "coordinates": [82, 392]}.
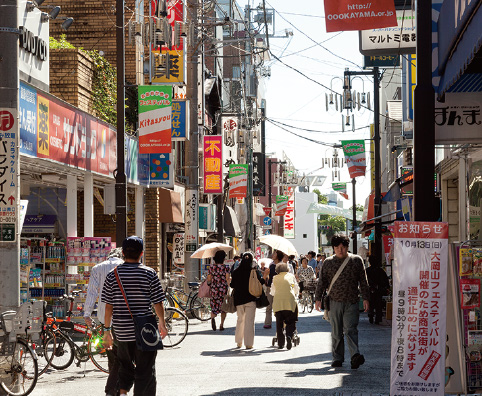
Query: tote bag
{"type": "Point", "coordinates": [204, 290]}
{"type": "Point", "coordinates": [255, 286]}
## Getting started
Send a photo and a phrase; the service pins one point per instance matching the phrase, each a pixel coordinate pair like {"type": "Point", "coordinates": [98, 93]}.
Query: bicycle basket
{"type": "Point", "coordinates": [27, 319]}
{"type": "Point", "coordinates": [311, 286]}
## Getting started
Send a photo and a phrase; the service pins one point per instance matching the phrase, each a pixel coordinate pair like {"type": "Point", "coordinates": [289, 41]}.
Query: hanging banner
{"type": "Point", "coordinates": [180, 120]}
{"type": "Point", "coordinates": [343, 15]}
{"type": "Point", "coordinates": [238, 180]}
{"type": "Point", "coordinates": [191, 224]}
{"type": "Point", "coordinates": [159, 170]}
{"type": "Point", "coordinates": [178, 249]}
{"type": "Point", "coordinates": [259, 180]}
{"type": "Point", "coordinates": [281, 205]}
{"type": "Point", "coordinates": [8, 175]}
{"type": "Point", "coordinates": [289, 220]}
{"type": "Point", "coordinates": [354, 151]}
{"type": "Point", "coordinates": [419, 295]}
{"type": "Point", "coordinates": [154, 119]}
{"type": "Point", "coordinates": [213, 160]}
{"type": "Point", "coordinates": [340, 188]}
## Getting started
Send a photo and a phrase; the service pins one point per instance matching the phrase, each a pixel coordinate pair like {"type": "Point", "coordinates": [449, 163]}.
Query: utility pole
{"type": "Point", "coordinates": [9, 86]}
{"type": "Point", "coordinates": [120, 176]}
{"type": "Point", "coordinates": [191, 221]}
{"type": "Point", "coordinates": [355, 247]}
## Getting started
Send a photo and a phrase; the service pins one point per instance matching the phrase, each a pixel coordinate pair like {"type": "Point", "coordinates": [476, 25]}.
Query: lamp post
{"type": "Point", "coordinates": [355, 247]}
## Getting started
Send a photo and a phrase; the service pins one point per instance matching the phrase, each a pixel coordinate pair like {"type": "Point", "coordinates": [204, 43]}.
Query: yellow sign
{"type": "Point", "coordinates": [168, 69]}
{"type": "Point", "coordinates": [43, 125]}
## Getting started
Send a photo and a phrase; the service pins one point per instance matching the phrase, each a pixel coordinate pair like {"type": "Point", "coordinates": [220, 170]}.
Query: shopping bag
{"type": "Point", "coordinates": [204, 290]}
{"type": "Point", "coordinates": [147, 333]}
{"type": "Point", "coordinates": [255, 287]}
{"type": "Point", "coordinates": [228, 303]}
{"type": "Point", "coordinates": [262, 301]}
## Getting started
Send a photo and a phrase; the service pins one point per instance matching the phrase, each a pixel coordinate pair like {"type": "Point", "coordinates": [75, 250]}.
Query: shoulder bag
{"type": "Point", "coordinates": [326, 298]}
{"type": "Point", "coordinates": [228, 303]}
{"type": "Point", "coordinates": [147, 332]}
{"type": "Point", "coordinates": [255, 286]}
{"type": "Point", "coordinates": [262, 301]}
{"type": "Point", "coordinates": [204, 290]}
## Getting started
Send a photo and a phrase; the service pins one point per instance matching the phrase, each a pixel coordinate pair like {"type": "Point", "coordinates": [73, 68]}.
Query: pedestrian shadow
{"type": "Point", "coordinates": [319, 358]}
{"type": "Point", "coordinates": [240, 352]}
{"type": "Point", "coordinates": [274, 391]}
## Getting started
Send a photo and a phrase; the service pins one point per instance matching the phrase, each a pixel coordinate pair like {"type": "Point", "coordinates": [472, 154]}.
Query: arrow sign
{"type": "Point", "coordinates": [267, 221]}
{"type": "Point", "coordinates": [11, 198]}
{"type": "Point", "coordinates": [267, 211]}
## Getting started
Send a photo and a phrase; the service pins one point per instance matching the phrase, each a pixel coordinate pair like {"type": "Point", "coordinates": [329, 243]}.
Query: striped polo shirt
{"type": "Point", "coordinates": [142, 287]}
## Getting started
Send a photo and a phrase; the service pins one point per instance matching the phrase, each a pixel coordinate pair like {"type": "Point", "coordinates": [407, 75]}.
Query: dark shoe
{"type": "Point", "coordinates": [267, 326]}
{"type": "Point", "coordinates": [281, 346]}
{"type": "Point", "coordinates": [213, 324]}
{"type": "Point", "coordinates": [221, 327]}
{"type": "Point", "coordinates": [357, 360]}
{"type": "Point", "coordinates": [288, 343]}
{"type": "Point", "coordinates": [370, 320]}
{"type": "Point", "coordinates": [337, 363]}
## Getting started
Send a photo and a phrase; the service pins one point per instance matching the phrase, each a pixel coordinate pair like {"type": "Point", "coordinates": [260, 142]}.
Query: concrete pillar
{"type": "Point", "coordinates": [72, 206]}
{"type": "Point", "coordinates": [463, 217]}
{"type": "Point", "coordinates": [88, 205]}
{"type": "Point", "coordinates": [140, 211]}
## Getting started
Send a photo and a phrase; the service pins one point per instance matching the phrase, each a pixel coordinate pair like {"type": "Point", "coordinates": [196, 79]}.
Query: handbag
{"type": "Point", "coordinates": [326, 298]}
{"type": "Point", "coordinates": [262, 301]}
{"type": "Point", "coordinates": [204, 290]}
{"type": "Point", "coordinates": [255, 287]}
{"type": "Point", "coordinates": [228, 303]}
{"type": "Point", "coordinates": [146, 329]}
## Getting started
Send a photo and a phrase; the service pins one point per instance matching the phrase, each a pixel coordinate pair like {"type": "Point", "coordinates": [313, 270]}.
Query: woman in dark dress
{"type": "Point", "coordinates": [218, 278]}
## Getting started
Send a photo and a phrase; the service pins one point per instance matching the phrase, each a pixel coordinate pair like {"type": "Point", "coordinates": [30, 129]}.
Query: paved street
{"type": "Point", "coordinates": [206, 363]}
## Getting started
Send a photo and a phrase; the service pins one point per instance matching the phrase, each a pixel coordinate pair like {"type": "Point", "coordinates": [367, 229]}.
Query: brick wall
{"type": "Point", "coordinates": [71, 76]}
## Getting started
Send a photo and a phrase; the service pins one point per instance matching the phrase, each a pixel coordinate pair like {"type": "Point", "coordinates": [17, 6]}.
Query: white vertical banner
{"type": "Point", "coordinates": [191, 220]}
{"type": "Point", "coordinates": [289, 219]}
{"type": "Point", "coordinates": [178, 248]}
{"type": "Point", "coordinates": [419, 308]}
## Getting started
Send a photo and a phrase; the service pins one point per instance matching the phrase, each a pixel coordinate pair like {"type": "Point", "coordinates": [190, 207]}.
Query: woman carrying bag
{"type": "Point", "coordinates": [244, 301]}
{"type": "Point", "coordinates": [218, 278]}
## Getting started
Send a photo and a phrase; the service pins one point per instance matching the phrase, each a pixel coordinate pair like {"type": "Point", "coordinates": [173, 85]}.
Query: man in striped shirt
{"type": "Point", "coordinates": [96, 283]}
{"type": "Point", "coordinates": [142, 288]}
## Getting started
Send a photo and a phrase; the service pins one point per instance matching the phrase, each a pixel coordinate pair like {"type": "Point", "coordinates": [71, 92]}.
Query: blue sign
{"type": "Point", "coordinates": [28, 120]}
{"type": "Point", "coordinates": [267, 221]}
{"type": "Point", "coordinates": [267, 232]}
{"type": "Point", "coordinates": [179, 120]}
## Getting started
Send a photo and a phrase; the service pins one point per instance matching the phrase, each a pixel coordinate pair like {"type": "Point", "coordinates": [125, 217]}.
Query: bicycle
{"type": "Point", "coordinates": [200, 308]}
{"type": "Point", "coordinates": [18, 361]}
{"type": "Point", "coordinates": [66, 349]}
{"type": "Point", "coordinates": [177, 325]}
{"type": "Point", "coordinates": [308, 296]}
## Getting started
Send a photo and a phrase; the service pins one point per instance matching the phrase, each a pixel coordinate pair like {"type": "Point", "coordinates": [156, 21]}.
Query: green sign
{"type": "Point", "coordinates": [7, 233]}
{"type": "Point", "coordinates": [381, 61]}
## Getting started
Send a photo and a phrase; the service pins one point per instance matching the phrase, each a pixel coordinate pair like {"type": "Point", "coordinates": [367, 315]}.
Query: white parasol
{"type": "Point", "coordinates": [279, 243]}
{"type": "Point", "coordinates": [210, 249]}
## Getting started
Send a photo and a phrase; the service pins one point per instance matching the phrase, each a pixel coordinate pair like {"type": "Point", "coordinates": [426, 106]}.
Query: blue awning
{"type": "Point", "coordinates": [454, 79]}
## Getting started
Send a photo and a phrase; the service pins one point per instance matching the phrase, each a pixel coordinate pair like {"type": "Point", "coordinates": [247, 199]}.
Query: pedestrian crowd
{"type": "Point", "coordinates": [128, 292]}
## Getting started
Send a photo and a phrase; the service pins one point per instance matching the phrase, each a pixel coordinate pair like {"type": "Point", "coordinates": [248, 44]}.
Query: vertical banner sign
{"type": "Point", "coordinates": [159, 172]}
{"type": "Point", "coordinates": [354, 151]}
{"type": "Point", "coordinates": [238, 181]}
{"type": "Point", "coordinates": [213, 160]}
{"type": "Point", "coordinates": [342, 15]}
{"type": "Point", "coordinates": [258, 175]}
{"type": "Point", "coordinates": [8, 175]}
{"type": "Point", "coordinates": [154, 119]}
{"type": "Point", "coordinates": [180, 120]}
{"type": "Point", "coordinates": [419, 296]}
{"type": "Point", "coordinates": [178, 249]}
{"type": "Point", "coordinates": [372, 156]}
{"type": "Point", "coordinates": [191, 220]}
{"type": "Point", "coordinates": [340, 188]}
{"type": "Point", "coordinates": [281, 205]}
{"type": "Point", "coordinates": [289, 220]}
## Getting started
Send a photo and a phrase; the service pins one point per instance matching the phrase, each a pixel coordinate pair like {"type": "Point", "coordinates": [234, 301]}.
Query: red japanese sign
{"type": "Point", "coordinates": [342, 15]}
{"type": "Point", "coordinates": [213, 161]}
{"type": "Point", "coordinates": [289, 219]}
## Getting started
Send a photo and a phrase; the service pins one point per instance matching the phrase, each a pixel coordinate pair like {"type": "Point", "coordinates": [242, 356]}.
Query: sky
{"type": "Point", "coordinates": [296, 100]}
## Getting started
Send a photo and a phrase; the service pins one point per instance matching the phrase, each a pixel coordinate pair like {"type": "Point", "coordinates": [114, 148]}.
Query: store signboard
{"type": "Point", "coordinates": [57, 131]}
{"type": "Point", "coordinates": [259, 180]}
{"type": "Point", "coordinates": [384, 61]}
{"type": "Point", "coordinates": [420, 295]}
{"type": "Point", "coordinates": [401, 39]}
{"type": "Point", "coordinates": [213, 160]}
{"type": "Point", "coordinates": [180, 120]}
{"type": "Point", "coordinates": [157, 170]}
{"type": "Point", "coordinates": [289, 219]}
{"type": "Point", "coordinates": [191, 220]}
{"type": "Point", "coordinates": [8, 175]}
{"type": "Point", "coordinates": [178, 248]}
{"type": "Point", "coordinates": [155, 106]}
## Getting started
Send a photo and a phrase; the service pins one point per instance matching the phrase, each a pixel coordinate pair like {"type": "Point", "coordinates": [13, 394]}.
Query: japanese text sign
{"type": "Point", "coordinates": [259, 174]}
{"type": "Point", "coordinates": [419, 308]}
{"type": "Point", "coordinates": [180, 120]}
{"type": "Point", "coordinates": [52, 129]}
{"type": "Point", "coordinates": [343, 15]}
{"type": "Point", "coordinates": [289, 219]}
{"type": "Point", "coordinates": [159, 170]}
{"type": "Point", "coordinates": [155, 119]}
{"type": "Point", "coordinates": [8, 174]}
{"type": "Point", "coordinates": [191, 220]}
{"type": "Point", "coordinates": [213, 160]}
{"type": "Point", "coordinates": [178, 248]}
{"type": "Point", "coordinates": [355, 157]}
{"type": "Point", "coordinates": [238, 180]}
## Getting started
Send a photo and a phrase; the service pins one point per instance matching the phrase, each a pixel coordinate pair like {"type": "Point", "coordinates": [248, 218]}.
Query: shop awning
{"type": "Point", "coordinates": [170, 209]}
{"type": "Point", "coordinates": [464, 49]}
{"type": "Point", "coordinates": [42, 224]}
{"type": "Point", "coordinates": [231, 225]}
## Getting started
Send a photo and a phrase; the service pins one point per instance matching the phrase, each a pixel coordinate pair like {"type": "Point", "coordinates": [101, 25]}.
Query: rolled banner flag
{"type": "Point", "coordinates": [354, 151]}
{"type": "Point", "coordinates": [340, 188]}
{"type": "Point", "coordinates": [238, 180]}
{"type": "Point", "coordinates": [281, 205]}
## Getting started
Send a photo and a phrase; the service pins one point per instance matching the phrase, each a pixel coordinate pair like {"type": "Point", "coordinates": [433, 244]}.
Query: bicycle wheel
{"type": "Point", "coordinates": [309, 303]}
{"type": "Point", "coordinates": [45, 349]}
{"type": "Point", "coordinates": [63, 353]}
{"type": "Point", "coordinates": [200, 308]}
{"type": "Point", "coordinates": [19, 371]}
{"type": "Point", "coordinates": [303, 302]}
{"type": "Point", "coordinates": [97, 352]}
{"type": "Point", "coordinates": [169, 302]}
{"type": "Point", "coordinates": [177, 325]}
